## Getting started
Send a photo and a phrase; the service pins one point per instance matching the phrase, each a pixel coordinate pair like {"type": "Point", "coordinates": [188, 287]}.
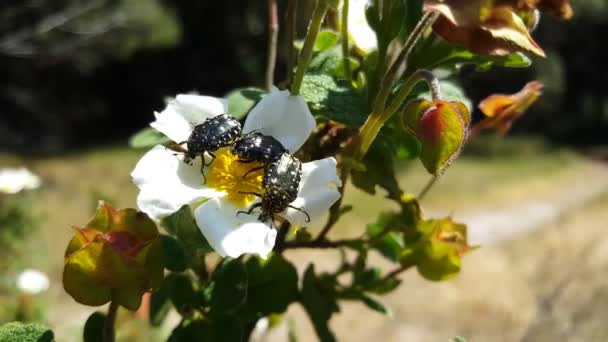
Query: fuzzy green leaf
{"type": "Point", "coordinates": [241, 100]}
{"type": "Point", "coordinates": [160, 304]}
{"type": "Point", "coordinates": [273, 285]}
{"type": "Point", "coordinates": [174, 255]}
{"type": "Point", "coordinates": [93, 327]}
{"type": "Point", "coordinates": [147, 138]}
{"type": "Point", "coordinates": [25, 332]}
{"type": "Point", "coordinates": [325, 40]}
{"type": "Point", "coordinates": [230, 286]}
{"type": "Point", "coordinates": [318, 305]}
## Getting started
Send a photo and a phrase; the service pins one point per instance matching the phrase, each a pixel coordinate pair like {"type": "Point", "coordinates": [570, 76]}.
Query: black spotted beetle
{"type": "Point", "coordinates": [214, 133]}
{"type": "Point", "coordinates": [281, 183]}
{"type": "Point", "coordinates": [257, 147]}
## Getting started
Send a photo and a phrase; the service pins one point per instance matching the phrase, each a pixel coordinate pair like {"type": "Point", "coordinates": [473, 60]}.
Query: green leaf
{"type": "Point", "coordinates": [174, 255]}
{"type": "Point", "coordinates": [339, 71]}
{"type": "Point", "coordinates": [388, 245]}
{"type": "Point", "coordinates": [384, 286]}
{"type": "Point", "coordinates": [273, 285]}
{"type": "Point", "coordinates": [182, 292]}
{"type": "Point", "coordinates": [217, 329]}
{"type": "Point", "coordinates": [335, 100]}
{"type": "Point", "coordinates": [440, 54]}
{"type": "Point", "coordinates": [147, 138]}
{"type": "Point", "coordinates": [374, 305]}
{"type": "Point", "coordinates": [325, 40]}
{"type": "Point", "coordinates": [182, 225]}
{"type": "Point", "coordinates": [25, 332]}
{"type": "Point", "coordinates": [386, 18]}
{"type": "Point", "coordinates": [230, 286]}
{"type": "Point", "coordinates": [413, 14]}
{"type": "Point", "coordinates": [93, 328]}
{"type": "Point", "coordinates": [379, 170]}
{"type": "Point", "coordinates": [325, 62]}
{"type": "Point", "coordinates": [160, 304]}
{"type": "Point", "coordinates": [241, 100]}
{"type": "Point", "coordinates": [318, 305]}
{"type": "Point", "coordinates": [458, 339]}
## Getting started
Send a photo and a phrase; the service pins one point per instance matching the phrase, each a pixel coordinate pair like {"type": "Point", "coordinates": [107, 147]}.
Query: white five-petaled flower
{"type": "Point", "coordinates": [166, 183]}
{"type": "Point", "coordinates": [359, 30]}
{"type": "Point", "coordinates": [32, 281]}
{"type": "Point", "coordinates": [13, 181]}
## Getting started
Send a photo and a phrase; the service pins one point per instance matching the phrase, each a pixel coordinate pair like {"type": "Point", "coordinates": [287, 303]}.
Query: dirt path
{"type": "Point", "coordinates": [520, 286]}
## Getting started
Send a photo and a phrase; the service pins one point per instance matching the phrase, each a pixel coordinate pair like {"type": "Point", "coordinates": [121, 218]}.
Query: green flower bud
{"type": "Point", "coordinates": [440, 126]}
{"type": "Point", "coordinates": [116, 257]}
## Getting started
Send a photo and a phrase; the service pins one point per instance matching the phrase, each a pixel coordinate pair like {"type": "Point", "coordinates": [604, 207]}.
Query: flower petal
{"type": "Point", "coordinates": [318, 191]}
{"type": "Point", "coordinates": [185, 112]}
{"type": "Point", "coordinates": [166, 183]}
{"type": "Point", "coordinates": [231, 234]}
{"type": "Point", "coordinates": [13, 181]}
{"type": "Point", "coordinates": [285, 117]}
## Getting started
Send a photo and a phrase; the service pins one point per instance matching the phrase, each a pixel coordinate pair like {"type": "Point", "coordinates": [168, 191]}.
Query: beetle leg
{"type": "Point", "coordinates": [250, 193]}
{"type": "Point", "coordinates": [253, 170]}
{"type": "Point", "coordinates": [203, 173]}
{"type": "Point", "coordinates": [302, 211]}
{"type": "Point", "coordinates": [245, 161]}
{"type": "Point", "coordinates": [250, 211]}
{"type": "Point", "coordinates": [212, 159]}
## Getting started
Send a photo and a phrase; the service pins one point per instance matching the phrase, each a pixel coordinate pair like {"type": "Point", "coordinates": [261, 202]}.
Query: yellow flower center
{"type": "Point", "coordinates": [226, 174]}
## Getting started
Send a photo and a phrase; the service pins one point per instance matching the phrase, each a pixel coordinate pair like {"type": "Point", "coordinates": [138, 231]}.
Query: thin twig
{"type": "Point", "coordinates": [427, 187]}
{"type": "Point", "coordinates": [345, 49]}
{"type": "Point", "coordinates": [313, 30]}
{"type": "Point", "coordinates": [319, 244]}
{"type": "Point", "coordinates": [290, 33]}
{"type": "Point", "coordinates": [391, 74]}
{"type": "Point", "coordinates": [273, 34]}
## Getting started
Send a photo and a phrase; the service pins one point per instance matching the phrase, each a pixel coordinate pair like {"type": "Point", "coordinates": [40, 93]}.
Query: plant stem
{"type": "Point", "coordinates": [408, 86]}
{"type": "Point", "coordinates": [391, 74]}
{"type": "Point", "coordinates": [344, 28]}
{"type": "Point", "coordinates": [273, 34]}
{"type": "Point", "coordinates": [313, 30]}
{"type": "Point", "coordinates": [290, 33]}
{"type": "Point", "coordinates": [428, 187]}
{"type": "Point", "coordinates": [319, 244]}
{"type": "Point", "coordinates": [108, 325]}
{"type": "Point", "coordinates": [280, 243]}
{"type": "Point", "coordinates": [374, 123]}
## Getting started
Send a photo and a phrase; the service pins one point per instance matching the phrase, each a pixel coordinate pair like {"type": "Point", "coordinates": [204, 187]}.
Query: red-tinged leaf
{"type": "Point", "coordinates": [502, 110]}
{"type": "Point", "coordinates": [116, 257]}
{"type": "Point", "coordinates": [483, 27]}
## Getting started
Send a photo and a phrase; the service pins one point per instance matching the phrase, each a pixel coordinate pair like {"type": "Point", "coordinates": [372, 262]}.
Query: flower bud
{"type": "Point", "coordinates": [115, 257]}
{"type": "Point", "coordinates": [440, 126]}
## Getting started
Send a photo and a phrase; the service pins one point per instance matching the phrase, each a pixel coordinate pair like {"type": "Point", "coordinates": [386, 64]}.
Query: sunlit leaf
{"type": "Point", "coordinates": [502, 110]}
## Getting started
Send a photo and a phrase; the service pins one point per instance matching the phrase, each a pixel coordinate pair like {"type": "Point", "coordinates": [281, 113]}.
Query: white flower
{"type": "Point", "coordinates": [13, 181]}
{"type": "Point", "coordinates": [32, 282]}
{"type": "Point", "coordinates": [166, 183]}
{"type": "Point", "coordinates": [358, 29]}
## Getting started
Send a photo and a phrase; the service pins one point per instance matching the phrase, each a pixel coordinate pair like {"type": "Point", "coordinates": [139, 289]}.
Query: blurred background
{"type": "Point", "coordinates": [78, 78]}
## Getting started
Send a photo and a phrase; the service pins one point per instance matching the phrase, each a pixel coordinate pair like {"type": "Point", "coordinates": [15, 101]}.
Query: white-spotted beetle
{"type": "Point", "coordinates": [281, 183]}
{"type": "Point", "coordinates": [214, 133]}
